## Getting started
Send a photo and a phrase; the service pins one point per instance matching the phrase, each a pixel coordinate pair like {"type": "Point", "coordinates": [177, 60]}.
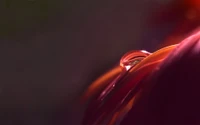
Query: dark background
{"type": "Point", "coordinates": [51, 50]}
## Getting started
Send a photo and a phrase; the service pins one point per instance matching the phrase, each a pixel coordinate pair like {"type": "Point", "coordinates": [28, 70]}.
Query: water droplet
{"type": "Point", "coordinates": [132, 58]}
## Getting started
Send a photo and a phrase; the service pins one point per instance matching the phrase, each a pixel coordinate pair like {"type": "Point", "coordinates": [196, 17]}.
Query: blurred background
{"type": "Point", "coordinates": [51, 50]}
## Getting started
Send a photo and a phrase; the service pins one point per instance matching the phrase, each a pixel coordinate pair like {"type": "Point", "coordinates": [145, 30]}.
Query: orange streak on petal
{"type": "Point", "coordinates": [123, 111]}
{"type": "Point", "coordinates": [101, 83]}
{"type": "Point", "coordinates": [160, 54]}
